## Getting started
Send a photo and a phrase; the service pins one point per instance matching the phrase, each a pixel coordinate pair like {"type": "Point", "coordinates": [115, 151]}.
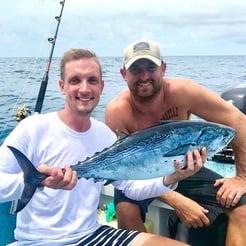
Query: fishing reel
{"type": "Point", "coordinates": [22, 113]}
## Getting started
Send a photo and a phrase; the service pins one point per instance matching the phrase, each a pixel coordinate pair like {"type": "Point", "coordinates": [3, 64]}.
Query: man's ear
{"type": "Point", "coordinates": [163, 67]}
{"type": "Point", "coordinates": [123, 73]}
{"type": "Point", "coordinates": [102, 86]}
{"type": "Point", "coordinates": [61, 85]}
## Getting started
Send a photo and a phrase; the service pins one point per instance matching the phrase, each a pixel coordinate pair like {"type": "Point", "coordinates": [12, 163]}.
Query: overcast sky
{"type": "Point", "coordinates": [182, 27]}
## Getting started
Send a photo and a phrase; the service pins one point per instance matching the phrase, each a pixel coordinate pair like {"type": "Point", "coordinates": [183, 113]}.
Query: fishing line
{"type": "Point", "coordinates": [23, 110]}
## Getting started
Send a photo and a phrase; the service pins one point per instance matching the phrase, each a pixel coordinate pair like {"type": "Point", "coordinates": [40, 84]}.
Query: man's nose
{"type": "Point", "coordinates": [84, 85]}
{"type": "Point", "coordinates": [144, 74]}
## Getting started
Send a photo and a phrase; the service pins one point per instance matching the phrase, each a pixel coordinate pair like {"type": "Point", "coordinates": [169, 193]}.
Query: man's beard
{"type": "Point", "coordinates": [156, 87]}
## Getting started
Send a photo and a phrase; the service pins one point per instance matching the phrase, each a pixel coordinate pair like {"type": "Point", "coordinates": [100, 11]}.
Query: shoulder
{"type": "Point", "coordinates": [38, 119]}
{"type": "Point", "coordinates": [119, 104]}
{"type": "Point", "coordinates": [120, 100]}
{"type": "Point", "coordinates": [119, 112]}
{"type": "Point", "coordinates": [177, 83]}
{"type": "Point", "coordinates": [102, 130]}
{"type": "Point", "coordinates": [181, 87]}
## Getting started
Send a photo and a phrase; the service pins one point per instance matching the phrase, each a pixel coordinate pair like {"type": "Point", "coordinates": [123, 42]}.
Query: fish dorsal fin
{"type": "Point", "coordinates": [121, 135]}
{"type": "Point", "coordinates": [107, 182]}
{"type": "Point", "coordinates": [163, 122]}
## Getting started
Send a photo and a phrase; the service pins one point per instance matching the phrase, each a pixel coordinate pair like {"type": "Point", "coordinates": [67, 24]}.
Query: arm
{"type": "Point", "coordinates": [188, 211]}
{"type": "Point", "coordinates": [11, 186]}
{"type": "Point", "coordinates": [211, 107]}
{"type": "Point", "coordinates": [11, 177]}
{"type": "Point", "coordinates": [143, 189]}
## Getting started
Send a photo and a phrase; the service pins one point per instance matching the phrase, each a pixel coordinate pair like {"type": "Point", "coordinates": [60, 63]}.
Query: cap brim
{"type": "Point", "coordinates": [152, 58]}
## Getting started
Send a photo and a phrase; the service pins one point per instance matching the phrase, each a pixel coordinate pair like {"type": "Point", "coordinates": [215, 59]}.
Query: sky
{"type": "Point", "coordinates": [182, 27]}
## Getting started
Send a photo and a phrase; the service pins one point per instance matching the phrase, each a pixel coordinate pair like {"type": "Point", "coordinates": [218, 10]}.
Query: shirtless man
{"type": "Point", "coordinates": [151, 97]}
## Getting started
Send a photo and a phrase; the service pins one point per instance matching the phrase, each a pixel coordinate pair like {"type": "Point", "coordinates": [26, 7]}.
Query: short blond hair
{"type": "Point", "coordinates": [77, 54]}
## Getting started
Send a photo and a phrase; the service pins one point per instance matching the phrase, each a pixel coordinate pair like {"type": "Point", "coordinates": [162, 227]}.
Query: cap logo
{"type": "Point", "coordinates": [141, 46]}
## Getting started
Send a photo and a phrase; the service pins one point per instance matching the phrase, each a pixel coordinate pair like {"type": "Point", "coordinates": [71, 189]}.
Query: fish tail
{"type": "Point", "coordinates": [32, 179]}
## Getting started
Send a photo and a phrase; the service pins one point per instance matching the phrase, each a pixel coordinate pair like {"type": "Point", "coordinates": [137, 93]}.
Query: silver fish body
{"type": "Point", "coordinates": [151, 152]}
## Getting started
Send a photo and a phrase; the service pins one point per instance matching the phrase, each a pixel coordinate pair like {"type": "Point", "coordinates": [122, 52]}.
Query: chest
{"type": "Point", "coordinates": [149, 118]}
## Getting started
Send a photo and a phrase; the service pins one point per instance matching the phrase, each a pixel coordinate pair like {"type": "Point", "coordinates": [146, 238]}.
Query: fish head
{"type": "Point", "coordinates": [215, 137]}
{"type": "Point", "coordinates": [184, 136]}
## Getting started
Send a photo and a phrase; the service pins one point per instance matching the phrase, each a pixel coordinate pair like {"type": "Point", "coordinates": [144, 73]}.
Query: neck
{"type": "Point", "coordinates": [79, 123]}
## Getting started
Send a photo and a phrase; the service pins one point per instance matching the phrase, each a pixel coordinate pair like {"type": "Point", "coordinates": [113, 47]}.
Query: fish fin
{"type": "Point", "coordinates": [163, 122]}
{"type": "Point", "coordinates": [181, 150]}
{"type": "Point", "coordinates": [25, 198]}
{"type": "Point", "coordinates": [121, 135]}
{"type": "Point", "coordinates": [32, 178]}
{"type": "Point", "coordinates": [108, 182]}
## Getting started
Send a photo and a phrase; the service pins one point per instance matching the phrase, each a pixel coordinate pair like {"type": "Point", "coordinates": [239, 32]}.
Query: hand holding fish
{"type": "Point", "coordinates": [58, 179]}
{"type": "Point", "coordinates": [194, 162]}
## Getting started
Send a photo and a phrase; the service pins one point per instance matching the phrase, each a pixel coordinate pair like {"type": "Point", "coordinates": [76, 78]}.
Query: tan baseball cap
{"type": "Point", "coordinates": [142, 49]}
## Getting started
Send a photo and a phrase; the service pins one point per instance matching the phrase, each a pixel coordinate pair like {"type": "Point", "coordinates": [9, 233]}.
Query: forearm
{"type": "Point", "coordinates": [240, 158]}
{"type": "Point", "coordinates": [172, 198]}
{"type": "Point", "coordinates": [237, 120]}
{"type": "Point", "coordinates": [239, 147]}
{"type": "Point", "coordinates": [172, 179]}
{"type": "Point", "coordinates": [143, 189]}
{"type": "Point", "coordinates": [11, 186]}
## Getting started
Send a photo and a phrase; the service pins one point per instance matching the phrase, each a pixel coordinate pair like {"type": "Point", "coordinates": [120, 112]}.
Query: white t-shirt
{"type": "Point", "coordinates": [59, 217]}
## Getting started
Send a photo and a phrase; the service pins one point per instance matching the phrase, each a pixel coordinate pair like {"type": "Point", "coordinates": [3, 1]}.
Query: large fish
{"type": "Point", "coordinates": [145, 154]}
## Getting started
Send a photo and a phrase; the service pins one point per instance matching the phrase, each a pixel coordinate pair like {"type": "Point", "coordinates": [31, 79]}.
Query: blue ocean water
{"type": "Point", "coordinates": [20, 80]}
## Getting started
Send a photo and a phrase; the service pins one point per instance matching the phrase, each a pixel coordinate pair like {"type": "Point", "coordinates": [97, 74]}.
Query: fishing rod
{"type": "Point", "coordinates": [44, 83]}
{"type": "Point", "coordinates": [23, 110]}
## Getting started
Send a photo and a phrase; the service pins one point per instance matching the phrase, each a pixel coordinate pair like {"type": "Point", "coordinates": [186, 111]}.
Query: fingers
{"type": "Point", "coordinates": [194, 160]}
{"type": "Point", "coordinates": [203, 153]}
{"type": "Point", "coordinates": [69, 179]}
{"type": "Point", "coordinates": [58, 179]}
{"type": "Point", "coordinates": [227, 197]}
{"type": "Point", "coordinates": [201, 220]}
{"type": "Point", "coordinates": [193, 215]}
{"type": "Point", "coordinates": [230, 191]}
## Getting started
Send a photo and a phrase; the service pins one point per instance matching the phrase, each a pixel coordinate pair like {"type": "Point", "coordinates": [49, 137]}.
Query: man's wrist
{"type": "Point", "coordinates": [171, 179]}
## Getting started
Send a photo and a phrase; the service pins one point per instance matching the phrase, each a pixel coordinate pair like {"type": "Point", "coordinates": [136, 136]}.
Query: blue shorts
{"type": "Point", "coordinates": [199, 187]}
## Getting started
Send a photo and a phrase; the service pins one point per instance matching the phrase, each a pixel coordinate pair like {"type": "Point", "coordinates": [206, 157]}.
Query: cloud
{"type": "Point", "coordinates": [188, 27]}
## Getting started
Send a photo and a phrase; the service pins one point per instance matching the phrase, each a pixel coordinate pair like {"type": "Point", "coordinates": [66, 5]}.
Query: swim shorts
{"type": "Point", "coordinates": [108, 236]}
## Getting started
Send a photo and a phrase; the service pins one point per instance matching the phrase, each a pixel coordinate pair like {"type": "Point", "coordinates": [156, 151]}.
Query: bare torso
{"type": "Point", "coordinates": [134, 115]}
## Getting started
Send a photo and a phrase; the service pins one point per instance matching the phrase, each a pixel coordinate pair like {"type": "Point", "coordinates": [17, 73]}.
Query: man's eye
{"type": "Point", "coordinates": [93, 80]}
{"type": "Point", "coordinates": [74, 81]}
{"type": "Point", "coordinates": [135, 70]}
{"type": "Point", "coordinates": [151, 68]}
